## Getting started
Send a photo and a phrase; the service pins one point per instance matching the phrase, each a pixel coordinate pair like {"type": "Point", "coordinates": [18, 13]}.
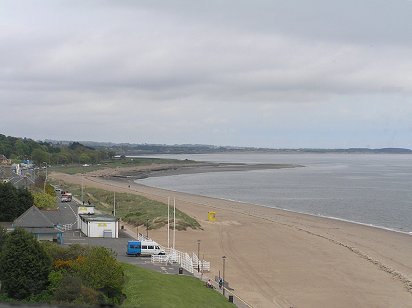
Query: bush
{"type": "Point", "coordinates": [101, 271]}
{"type": "Point", "coordinates": [68, 289]}
{"type": "Point", "coordinates": [24, 265]}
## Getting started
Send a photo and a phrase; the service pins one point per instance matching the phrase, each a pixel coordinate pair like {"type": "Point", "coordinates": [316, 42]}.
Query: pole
{"type": "Point", "coordinates": [147, 228]}
{"type": "Point", "coordinates": [198, 256]}
{"type": "Point", "coordinates": [223, 278]}
{"type": "Point", "coordinates": [82, 190]}
{"type": "Point", "coordinates": [174, 222]}
{"type": "Point", "coordinates": [114, 204]}
{"type": "Point", "coordinates": [168, 222]}
{"type": "Point", "coordinates": [45, 180]}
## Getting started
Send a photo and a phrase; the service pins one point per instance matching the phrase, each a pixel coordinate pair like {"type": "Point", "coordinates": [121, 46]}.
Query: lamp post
{"type": "Point", "coordinates": [198, 256]}
{"type": "Point", "coordinates": [223, 278]}
{"type": "Point", "coordinates": [45, 180]}
{"type": "Point", "coordinates": [147, 228]}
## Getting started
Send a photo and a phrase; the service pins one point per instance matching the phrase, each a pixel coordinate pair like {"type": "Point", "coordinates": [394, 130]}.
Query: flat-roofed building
{"type": "Point", "coordinates": [99, 225]}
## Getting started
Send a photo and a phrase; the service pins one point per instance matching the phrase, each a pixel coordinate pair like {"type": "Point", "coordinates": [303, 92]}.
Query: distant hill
{"type": "Point", "coordinates": [146, 149]}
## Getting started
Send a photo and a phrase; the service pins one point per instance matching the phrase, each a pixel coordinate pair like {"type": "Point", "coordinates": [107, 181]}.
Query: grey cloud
{"type": "Point", "coordinates": [178, 70]}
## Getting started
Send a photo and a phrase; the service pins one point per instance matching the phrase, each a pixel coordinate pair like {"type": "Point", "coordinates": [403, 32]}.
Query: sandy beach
{"type": "Point", "coordinates": [278, 258]}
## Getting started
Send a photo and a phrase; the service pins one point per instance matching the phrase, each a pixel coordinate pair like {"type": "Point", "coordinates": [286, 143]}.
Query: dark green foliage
{"type": "Point", "coordinates": [2, 236]}
{"type": "Point", "coordinates": [94, 275]}
{"type": "Point", "coordinates": [39, 152]}
{"type": "Point", "coordinates": [69, 289]}
{"type": "Point", "coordinates": [24, 265]}
{"type": "Point", "coordinates": [13, 201]}
{"type": "Point", "coordinates": [58, 252]}
{"type": "Point", "coordinates": [90, 296]}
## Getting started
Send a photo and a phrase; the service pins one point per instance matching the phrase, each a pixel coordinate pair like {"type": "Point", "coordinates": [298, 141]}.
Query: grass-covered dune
{"type": "Point", "coordinates": [149, 289]}
{"type": "Point", "coordinates": [133, 209]}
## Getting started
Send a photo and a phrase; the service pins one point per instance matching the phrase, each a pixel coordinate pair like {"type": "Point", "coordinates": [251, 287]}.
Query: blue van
{"type": "Point", "coordinates": [145, 248]}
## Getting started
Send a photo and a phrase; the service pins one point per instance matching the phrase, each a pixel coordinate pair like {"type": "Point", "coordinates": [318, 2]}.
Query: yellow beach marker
{"type": "Point", "coordinates": [211, 216]}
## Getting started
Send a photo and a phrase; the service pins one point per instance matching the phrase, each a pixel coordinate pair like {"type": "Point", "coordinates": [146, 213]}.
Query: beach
{"type": "Point", "coordinates": [277, 258]}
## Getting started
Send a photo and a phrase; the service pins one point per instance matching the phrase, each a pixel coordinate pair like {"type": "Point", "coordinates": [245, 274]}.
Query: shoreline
{"type": "Point", "coordinates": [195, 168]}
{"type": "Point", "coordinates": [292, 259]}
{"type": "Point", "coordinates": [283, 209]}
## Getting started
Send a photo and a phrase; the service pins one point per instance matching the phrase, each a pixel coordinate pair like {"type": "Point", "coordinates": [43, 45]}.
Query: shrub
{"type": "Point", "coordinates": [24, 265]}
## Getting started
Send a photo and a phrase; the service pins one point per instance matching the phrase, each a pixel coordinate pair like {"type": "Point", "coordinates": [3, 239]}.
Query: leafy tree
{"type": "Point", "coordinates": [24, 265]}
{"type": "Point", "coordinates": [25, 200]}
{"type": "Point", "coordinates": [13, 201]}
{"type": "Point", "coordinates": [39, 156]}
{"type": "Point", "coordinates": [44, 200]}
{"type": "Point", "coordinates": [2, 236]}
{"type": "Point", "coordinates": [101, 271]}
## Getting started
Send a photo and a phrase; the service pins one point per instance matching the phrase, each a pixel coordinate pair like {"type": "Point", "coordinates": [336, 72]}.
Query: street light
{"type": "Point", "coordinates": [223, 278]}
{"type": "Point", "coordinates": [45, 180]}
{"type": "Point", "coordinates": [198, 256]}
{"type": "Point", "coordinates": [147, 228]}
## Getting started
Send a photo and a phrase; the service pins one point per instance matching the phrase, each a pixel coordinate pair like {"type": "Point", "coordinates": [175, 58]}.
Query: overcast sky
{"type": "Point", "coordinates": [276, 73]}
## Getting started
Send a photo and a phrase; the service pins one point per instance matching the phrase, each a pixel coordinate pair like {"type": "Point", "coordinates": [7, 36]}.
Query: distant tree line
{"type": "Point", "coordinates": [27, 149]}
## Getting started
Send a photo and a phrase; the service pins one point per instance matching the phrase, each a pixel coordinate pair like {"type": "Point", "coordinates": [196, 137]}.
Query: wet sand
{"type": "Point", "coordinates": [278, 258]}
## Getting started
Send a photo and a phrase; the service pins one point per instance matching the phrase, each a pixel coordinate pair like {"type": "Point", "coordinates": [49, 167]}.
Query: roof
{"type": "Point", "coordinates": [33, 218]}
{"type": "Point", "coordinates": [98, 217]}
{"type": "Point", "coordinates": [53, 215]}
{"type": "Point", "coordinates": [43, 230]}
{"type": "Point", "coordinates": [21, 181]}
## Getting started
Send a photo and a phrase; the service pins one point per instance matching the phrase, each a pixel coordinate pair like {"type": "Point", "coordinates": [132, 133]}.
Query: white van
{"type": "Point", "coordinates": [151, 248]}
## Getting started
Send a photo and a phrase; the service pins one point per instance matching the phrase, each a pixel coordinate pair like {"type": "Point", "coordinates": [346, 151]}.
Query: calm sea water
{"type": "Point", "coordinates": [371, 189]}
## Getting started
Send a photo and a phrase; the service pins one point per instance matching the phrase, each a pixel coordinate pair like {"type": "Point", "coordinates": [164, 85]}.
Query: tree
{"type": "Point", "coordinates": [2, 236]}
{"type": "Point", "coordinates": [44, 200]}
{"type": "Point", "coordinates": [39, 156]}
{"type": "Point", "coordinates": [13, 201]}
{"type": "Point", "coordinates": [101, 271]}
{"type": "Point", "coordinates": [24, 265]}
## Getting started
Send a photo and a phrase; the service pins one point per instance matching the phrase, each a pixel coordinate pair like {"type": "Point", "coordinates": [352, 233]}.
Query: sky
{"type": "Point", "coordinates": [275, 73]}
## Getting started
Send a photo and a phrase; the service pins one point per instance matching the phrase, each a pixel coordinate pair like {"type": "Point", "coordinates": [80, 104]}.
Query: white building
{"type": "Point", "coordinates": [99, 225]}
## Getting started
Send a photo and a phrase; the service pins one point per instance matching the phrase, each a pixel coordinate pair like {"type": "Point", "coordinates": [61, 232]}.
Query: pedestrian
{"type": "Point", "coordinates": [209, 284]}
{"type": "Point", "coordinates": [220, 283]}
{"type": "Point", "coordinates": [88, 202]}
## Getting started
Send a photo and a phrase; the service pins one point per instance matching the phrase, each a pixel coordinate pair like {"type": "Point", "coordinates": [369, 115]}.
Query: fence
{"type": "Point", "coordinates": [203, 265]}
{"type": "Point", "coordinates": [66, 227]}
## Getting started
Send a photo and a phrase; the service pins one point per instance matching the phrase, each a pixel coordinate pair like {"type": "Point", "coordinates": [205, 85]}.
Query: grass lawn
{"type": "Point", "coordinates": [115, 163]}
{"type": "Point", "coordinates": [145, 288]}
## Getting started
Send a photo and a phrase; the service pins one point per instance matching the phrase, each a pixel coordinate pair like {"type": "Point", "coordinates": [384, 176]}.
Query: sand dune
{"type": "Point", "coordinates": [277, 258]}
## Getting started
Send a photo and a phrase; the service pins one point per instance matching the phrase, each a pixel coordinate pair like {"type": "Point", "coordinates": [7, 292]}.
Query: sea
{"type": "Point", "coordinates": [370, 189]}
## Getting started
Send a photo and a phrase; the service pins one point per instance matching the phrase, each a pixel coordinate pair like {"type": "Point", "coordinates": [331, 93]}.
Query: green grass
{"type": "Point", "coordinates": [145, 288]}
{"type": "Point", "coordinates": [117, 163]}
{"type": "Point", "coordinates": [134, 209]}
